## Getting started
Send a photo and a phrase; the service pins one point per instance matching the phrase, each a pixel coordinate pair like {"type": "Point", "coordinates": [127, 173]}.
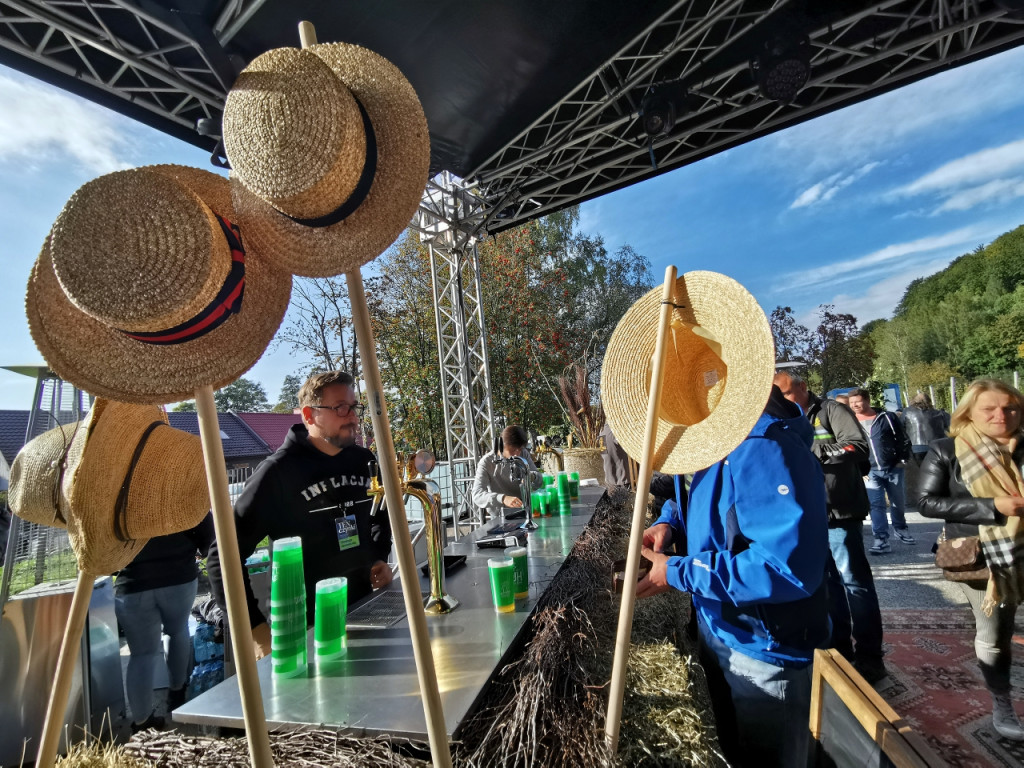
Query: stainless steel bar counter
{"type": "Point", "coordinates": [374, 689]}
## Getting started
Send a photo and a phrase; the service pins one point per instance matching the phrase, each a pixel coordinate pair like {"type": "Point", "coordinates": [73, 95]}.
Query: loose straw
{"type": "Point", "coordinates": [622, 637]}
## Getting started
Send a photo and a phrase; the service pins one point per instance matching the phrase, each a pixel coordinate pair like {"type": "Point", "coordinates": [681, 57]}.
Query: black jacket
{"type": "Point", "coordinates": [842, 448]}
{"type": "Point", "coordinates": [889, 443]}
{"type": "Point", "coordinates": [301, 491]}
{"type": "Point", "coordinates": [942, 494]}
{"type": "Point", "coordinates": [166, 561]}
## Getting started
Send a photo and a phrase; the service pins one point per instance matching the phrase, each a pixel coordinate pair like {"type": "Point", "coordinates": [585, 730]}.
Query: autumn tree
{"type": "Point", "coordinates": [793, 341]}
{"type": "Point", "coordinates": [319, 324]}
{"type": "Point", "coordinates": [842, 355]}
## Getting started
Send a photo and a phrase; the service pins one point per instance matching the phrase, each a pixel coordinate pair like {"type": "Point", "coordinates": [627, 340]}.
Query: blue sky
{"type": "Point", "coordinates": [846, 209]}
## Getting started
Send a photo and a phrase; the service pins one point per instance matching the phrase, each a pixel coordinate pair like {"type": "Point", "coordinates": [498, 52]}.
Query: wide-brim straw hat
{"type": "Point", "coordinates": [142, 252]}
{"type": "Point", "coordinates": [116, 479]}
{"type": "Point", "coordinates": [329, 133]}
{"type": "Point", "coordinates": [717, 374]}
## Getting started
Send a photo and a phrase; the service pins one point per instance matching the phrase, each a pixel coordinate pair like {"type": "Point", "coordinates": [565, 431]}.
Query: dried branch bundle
{"type": "Point", "coordinates": [586, 419]}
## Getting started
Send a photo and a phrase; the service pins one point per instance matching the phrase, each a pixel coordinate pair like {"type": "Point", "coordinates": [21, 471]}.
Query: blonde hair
{"type": "Point", "coordinates": [962, 415]}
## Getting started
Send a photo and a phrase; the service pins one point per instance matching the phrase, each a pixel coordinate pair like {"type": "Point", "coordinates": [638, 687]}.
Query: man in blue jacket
{"type": "Point", "coordinates": [756, 547]}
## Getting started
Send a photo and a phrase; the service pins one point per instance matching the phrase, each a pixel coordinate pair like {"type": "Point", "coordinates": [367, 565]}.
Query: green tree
{"type": "Point", "coordinates": [401, 305]}
{"type": "Point", "coordinates": [189, 406]}
{"type": "Point", "coordinates": [793, 341]}
{"type": "Point", "coordinates": [288, 399]}
{"type": "Point", "coordinates": [241, 396]}
{"type": "Point", "coordinates": [842, 355]}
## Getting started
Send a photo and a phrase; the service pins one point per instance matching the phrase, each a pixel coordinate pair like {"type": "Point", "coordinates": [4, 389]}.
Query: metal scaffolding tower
{"type": "Point", "coordinates": [448, 221]}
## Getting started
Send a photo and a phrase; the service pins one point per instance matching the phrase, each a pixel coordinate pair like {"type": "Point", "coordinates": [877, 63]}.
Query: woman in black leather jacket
{"type": "Point", "coordinates": [990, 411]}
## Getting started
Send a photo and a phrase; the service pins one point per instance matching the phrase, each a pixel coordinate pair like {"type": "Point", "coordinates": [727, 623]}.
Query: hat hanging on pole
{"type": "Point", "coordinates": [110, 479]}
{"type": "Point", "coordinates": [717, 375]}
{"type": "Point", "coordinates": [145, 288]}
{"type": "Point", "coordinates": [330, 153]}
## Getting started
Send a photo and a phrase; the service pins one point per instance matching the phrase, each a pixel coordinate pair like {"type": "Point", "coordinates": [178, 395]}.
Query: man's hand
{"type": "Point", "coordinates": [380, 575]}
{"type": "Point", "coordinates": [656, 580]}
{"type": "Point", "coordinates": [1011, 506]}
{"type": "Point", "coordinates": [511, 501]}
{"type": "Point", "coordinates": [261, 640]}
{"type": "Point", "coordinates": [657, 537]}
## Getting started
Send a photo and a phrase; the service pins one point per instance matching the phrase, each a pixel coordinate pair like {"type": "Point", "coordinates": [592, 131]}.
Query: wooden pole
{"type": "Point", "coordinates": [625, 627]}
{"type": "Point", "coordinates": [436, 733]}
{"type": "Point", "coordinates": [69, 648]}
{"type": "Point", "coordinates": [234, 588]}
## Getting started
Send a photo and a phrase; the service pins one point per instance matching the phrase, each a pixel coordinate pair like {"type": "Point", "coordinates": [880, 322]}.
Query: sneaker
{"type": "Point", "coordinates": [903, 534]}
{"type": "Point", "coordinates": [1007, 725]}
{"type": "Point", "coordinates": [175, 698]}
{"type": "Point", "coordinates": [880, 547]}
{"type": "Point", "coordinates": [150, 722]}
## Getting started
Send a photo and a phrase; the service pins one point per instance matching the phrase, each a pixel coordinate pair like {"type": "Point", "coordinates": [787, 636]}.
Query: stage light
{"type": "Point", "coordinates": [662, 103]}
{"type": "Point", "coordinates": [782, 68]}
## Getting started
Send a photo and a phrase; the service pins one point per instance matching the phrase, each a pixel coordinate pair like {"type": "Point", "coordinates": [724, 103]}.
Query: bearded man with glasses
{"type": "Point", "coordinates": [314, 487]}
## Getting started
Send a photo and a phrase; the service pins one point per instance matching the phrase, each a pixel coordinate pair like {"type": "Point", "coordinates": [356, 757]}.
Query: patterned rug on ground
{"type": "Point", "coordinates": [935, 684]}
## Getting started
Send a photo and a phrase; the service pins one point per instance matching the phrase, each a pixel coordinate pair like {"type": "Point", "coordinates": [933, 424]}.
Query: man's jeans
{"type": "Point", "coordinates": [761, 709]}
{"type": "Point", "coordinates": [851, 594]}
{"type": "Point", "coordinates": [141, 616]}
{"type": "Point", "coordinates": [881, 483]}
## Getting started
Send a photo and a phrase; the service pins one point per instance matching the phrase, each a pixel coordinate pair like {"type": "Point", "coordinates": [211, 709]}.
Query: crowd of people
{"type": "Point", "coordinates": [772, 578]}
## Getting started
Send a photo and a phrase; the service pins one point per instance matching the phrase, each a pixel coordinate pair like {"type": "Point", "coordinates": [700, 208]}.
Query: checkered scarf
{"type": "Point", "coordinates": [989, 470]}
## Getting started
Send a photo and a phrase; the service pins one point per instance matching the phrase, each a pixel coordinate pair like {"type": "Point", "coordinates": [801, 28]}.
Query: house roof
{"type": "Point", "coordinates": [13, 425]}
{"type": "Point", "coordinates": [238, 439]}
{"type": "Point", "coordinates": [271, 427]}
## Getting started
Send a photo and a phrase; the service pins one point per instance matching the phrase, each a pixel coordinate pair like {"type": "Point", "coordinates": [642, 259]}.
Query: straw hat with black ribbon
{"type": "Point", "coordinates": [717, 374]}
{"type": "Point", "coordinates": [330, 154]}
{"type": "Point", "coordinates": [115, 479]}
{"type": "Point", "coordinates": [145, 288]}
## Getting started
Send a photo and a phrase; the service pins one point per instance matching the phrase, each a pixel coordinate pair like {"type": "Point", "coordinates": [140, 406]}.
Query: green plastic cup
{"type": "Point", "coordinates": [574, 485]}
{"type": "Point", "coordinates": [520, 571]}
{"type": "Point", "coordinates": [287, 609]}
{"type": "Point", "coordinates": [552, 494]}
{"type": "Point", "coordinates": [539, 503]}
{"type": "Point", "coordinates": [549, 480]}
{"type": "Point", "coordinates": [502, 576]}
{"type": "Point", "coordinates": [329, 619]}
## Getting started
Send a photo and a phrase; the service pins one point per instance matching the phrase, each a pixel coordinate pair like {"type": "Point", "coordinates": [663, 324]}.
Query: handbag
{"type": "Point", "coordinates": [961, 559]}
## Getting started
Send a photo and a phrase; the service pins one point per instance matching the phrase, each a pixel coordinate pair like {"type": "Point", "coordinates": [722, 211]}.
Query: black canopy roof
{"type": "Point", "coordinates": [534, 103]}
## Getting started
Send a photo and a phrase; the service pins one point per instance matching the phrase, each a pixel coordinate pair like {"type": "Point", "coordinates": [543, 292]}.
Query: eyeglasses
{"type": "Point", "coordinates": [342, 409]}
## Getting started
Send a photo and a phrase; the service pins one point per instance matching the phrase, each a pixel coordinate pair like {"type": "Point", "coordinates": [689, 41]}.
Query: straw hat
{"type": "Point", "coordinates": [717, 374]}
{"type": "Point", "coordinates": [125, 298]}
{"type": "Point", "coordinates": [114, 480]}
{"type": "Point", "coordinates": [330, 152]}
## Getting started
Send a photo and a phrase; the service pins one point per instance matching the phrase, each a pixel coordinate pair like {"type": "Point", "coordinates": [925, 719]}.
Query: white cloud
{"type": "Point", "coordinates": [48, 124]}
{"type": "Point", "coordinates": [969, 170]}
{"type": "Point", "coordinates": [1000, 190]}
{"type": "Point", "coordinates": [894, 254]}
{"type": "Point", "coordinates": [825, 190]}
{"type": "Point", "coordinates": [882, 296]}
{"type": "Point", "coordinates": [890, 122]}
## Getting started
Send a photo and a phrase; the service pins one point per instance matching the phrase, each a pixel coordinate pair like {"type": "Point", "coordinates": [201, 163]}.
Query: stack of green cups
{"type": "Point", "coordinates": [287, 609]}
{"type": "Point", "coordinates": [564, 500]}
{"type": "Point", "coordinates": [329, 619]}
{"type": "Point", "coordinates": [549, 480]}
{"type": "Point", "coordinates": [521, 571]}
{"type": "Point", "coordinates": [574, 485]}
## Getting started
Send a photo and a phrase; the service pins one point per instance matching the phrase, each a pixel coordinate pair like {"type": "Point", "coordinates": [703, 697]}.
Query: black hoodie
{"type": "Point", "coordinates": [301, 491]}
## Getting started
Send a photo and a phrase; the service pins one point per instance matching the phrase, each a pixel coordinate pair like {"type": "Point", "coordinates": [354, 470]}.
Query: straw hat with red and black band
{"type": "Point", "coordinates": [330, 153]}
{"type": "Point", "coordinates": [115, 479]}
{"type": "Point", "coordinates": [146, 289]}
{"type": "Point", "coordinates": [717, 374]}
